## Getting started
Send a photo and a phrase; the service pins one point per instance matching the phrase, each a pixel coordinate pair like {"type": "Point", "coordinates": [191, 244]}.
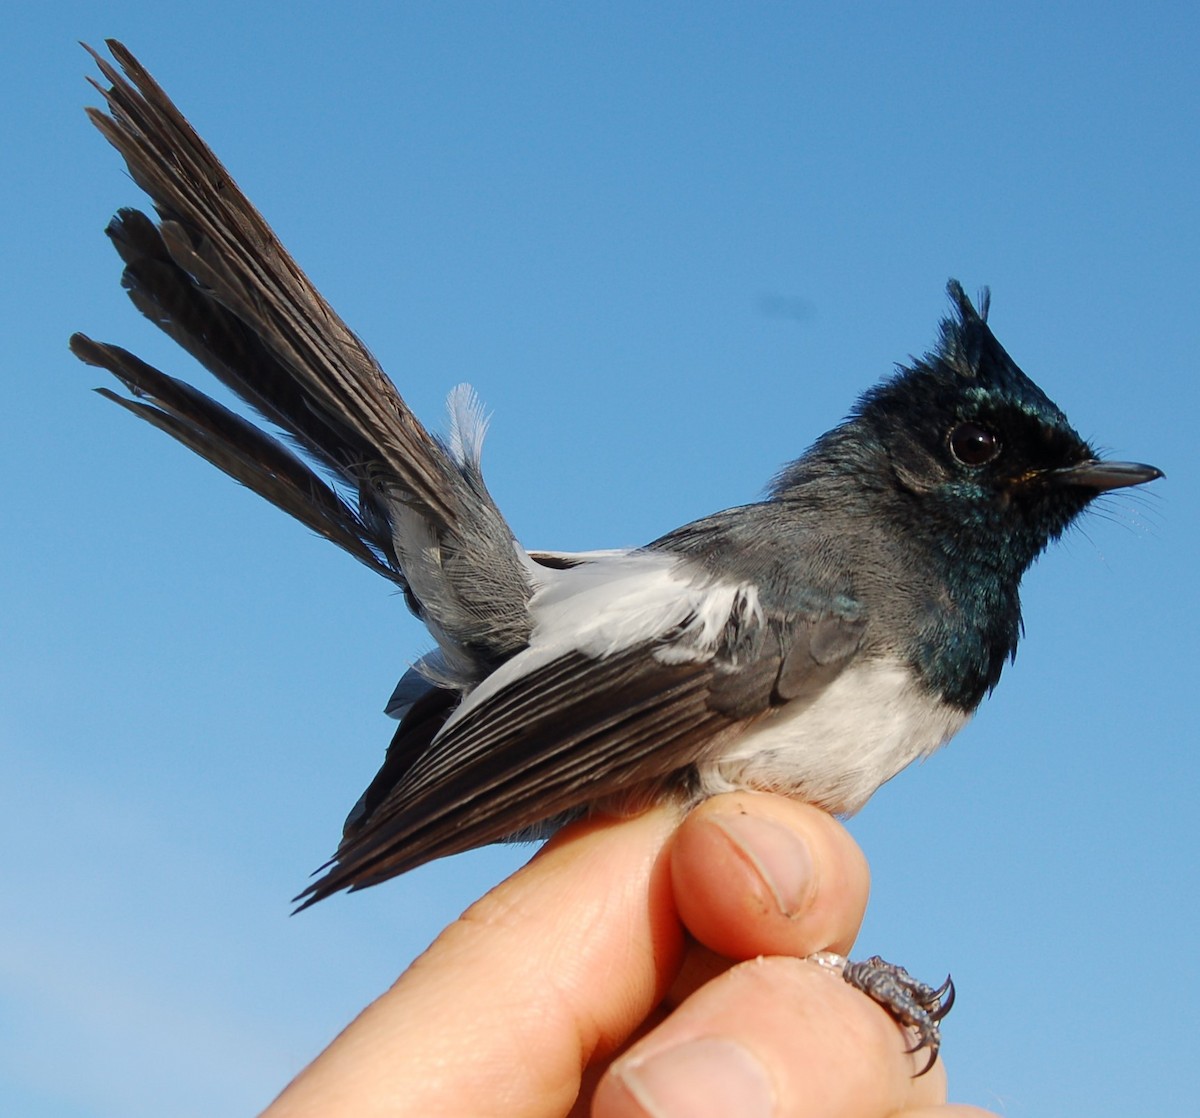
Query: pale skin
{"type": "Point", "coordinates": [641, 968]}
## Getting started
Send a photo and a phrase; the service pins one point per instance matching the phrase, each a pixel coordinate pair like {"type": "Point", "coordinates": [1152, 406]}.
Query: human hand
{"type": "Point", "coordinates": [602, 979]}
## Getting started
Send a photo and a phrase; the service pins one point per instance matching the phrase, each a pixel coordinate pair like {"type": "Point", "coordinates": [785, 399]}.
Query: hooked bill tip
{"type": "Point", "coordinates": [1107, 475]}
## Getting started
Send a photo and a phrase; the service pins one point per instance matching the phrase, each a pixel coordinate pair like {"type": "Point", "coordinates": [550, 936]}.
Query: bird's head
{"type": "Point", "coordinates": [976, 453]}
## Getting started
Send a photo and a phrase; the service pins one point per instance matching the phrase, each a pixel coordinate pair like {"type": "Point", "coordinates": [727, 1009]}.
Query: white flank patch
{"type": "Point", "coordinates": [614, 601]}
{"type": "Point", "coordinates": [625, 598]}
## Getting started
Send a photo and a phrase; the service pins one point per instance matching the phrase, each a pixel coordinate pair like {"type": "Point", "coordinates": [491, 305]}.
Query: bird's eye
{"type": "Point", "coordinates": [973, 445]}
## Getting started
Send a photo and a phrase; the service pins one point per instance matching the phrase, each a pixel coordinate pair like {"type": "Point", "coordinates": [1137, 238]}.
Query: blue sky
{"type": "Point", "coordinates": [668, 244]}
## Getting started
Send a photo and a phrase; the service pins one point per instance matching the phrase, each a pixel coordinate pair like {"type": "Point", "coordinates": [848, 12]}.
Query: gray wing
{"type": "Point", "coordinates": [213, 275]}
{"type": "Point", "coordinates": [570, 734]}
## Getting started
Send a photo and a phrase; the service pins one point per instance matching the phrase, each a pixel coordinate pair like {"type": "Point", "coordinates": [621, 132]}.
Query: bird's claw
{"type": "Point", "coordinates": [910, 1003]}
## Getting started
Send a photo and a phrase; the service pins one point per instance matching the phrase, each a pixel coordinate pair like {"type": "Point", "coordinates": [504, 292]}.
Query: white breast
{"type": "Point", "coordinates": [867, 725]}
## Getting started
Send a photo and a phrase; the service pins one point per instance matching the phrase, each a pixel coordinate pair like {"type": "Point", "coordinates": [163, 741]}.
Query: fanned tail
{"type": "Point", "coordinates": [216, 279]}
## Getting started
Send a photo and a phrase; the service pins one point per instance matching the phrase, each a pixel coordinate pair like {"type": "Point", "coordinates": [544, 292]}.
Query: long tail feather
{"type": "Point", "coordinates": [216, 279]}
{"type": "Point", "coordinates": [241, 450]}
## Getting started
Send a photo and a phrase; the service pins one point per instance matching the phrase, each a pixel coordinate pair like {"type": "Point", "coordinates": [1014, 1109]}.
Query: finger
{"type": "Point", "coordinates": [505, 1009]}
{"type": "Point", "coordinates": [772, 1038]}
{"type": "Point", "coordinates": [757, 874]}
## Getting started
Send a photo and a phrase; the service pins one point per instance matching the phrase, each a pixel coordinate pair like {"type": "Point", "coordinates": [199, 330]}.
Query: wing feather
{"type": "Point", "coordinates": [571, 733]}
{"type": "Point", "coordinates": [577, 730]}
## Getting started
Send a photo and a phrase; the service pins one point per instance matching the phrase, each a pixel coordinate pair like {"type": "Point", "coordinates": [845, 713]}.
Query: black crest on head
{"type": "Point", "coordinates": [964, 339]}
{"type": "Point", "coordinates": [968, 350]}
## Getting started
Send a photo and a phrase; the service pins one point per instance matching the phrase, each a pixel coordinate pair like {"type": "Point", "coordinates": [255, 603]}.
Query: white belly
{"type": "Point", "coordinates": [867, 725]}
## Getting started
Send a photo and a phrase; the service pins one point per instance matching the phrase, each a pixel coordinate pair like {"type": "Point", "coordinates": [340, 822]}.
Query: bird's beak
{"type": "Point", "coordinates": [1103, 476]}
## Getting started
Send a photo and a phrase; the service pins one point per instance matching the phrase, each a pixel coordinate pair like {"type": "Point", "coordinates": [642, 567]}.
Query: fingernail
{"type": "Point", "coordinates": [705, 1078]}
{"type": "Point", "coordinates": [781, 859]}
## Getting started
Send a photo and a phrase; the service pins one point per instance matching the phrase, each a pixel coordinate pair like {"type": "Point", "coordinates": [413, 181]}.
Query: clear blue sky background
{"type": "Point", "coordinates": [668, 243]}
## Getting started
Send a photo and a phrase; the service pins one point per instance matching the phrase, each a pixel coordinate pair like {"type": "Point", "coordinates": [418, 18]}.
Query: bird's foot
{"type": "Point", "coordinates": [911, 1003]}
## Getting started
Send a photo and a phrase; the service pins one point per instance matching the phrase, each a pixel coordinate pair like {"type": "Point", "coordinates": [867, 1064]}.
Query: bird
{"type": "Point", "coordinates": [814, 642]}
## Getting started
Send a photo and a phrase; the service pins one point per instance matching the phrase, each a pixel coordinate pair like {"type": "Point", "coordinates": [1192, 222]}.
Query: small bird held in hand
{"type": "Point", "coordinates": [813, 643]}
